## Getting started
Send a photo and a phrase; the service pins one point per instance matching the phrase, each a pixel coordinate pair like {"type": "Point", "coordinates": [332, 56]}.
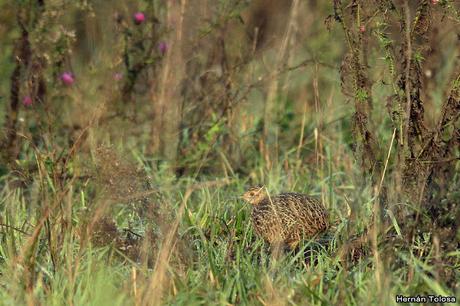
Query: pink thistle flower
{"type": "Point", "coordinates": [162, 47]}
{"type": "Point", "coordinates": [27, 101]}
{"type": "Point", "coordinates": [434, 2]}
{"type": "Point", "coordinates": [67, 78]}
{"type": "Point", "coordinates": [362, 28]}
{"type": "Point", "coordinates": [118, 76]}
{"type": "Point", "coordinates": [139, 17]}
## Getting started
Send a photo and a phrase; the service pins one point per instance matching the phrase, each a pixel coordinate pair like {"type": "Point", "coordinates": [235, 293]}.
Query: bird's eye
{"type": "Point", "coordinates": [251, 193]}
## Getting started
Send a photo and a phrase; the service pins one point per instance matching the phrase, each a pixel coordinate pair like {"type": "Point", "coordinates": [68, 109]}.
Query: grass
{"type": "Point", "coordinates": [218, 260]}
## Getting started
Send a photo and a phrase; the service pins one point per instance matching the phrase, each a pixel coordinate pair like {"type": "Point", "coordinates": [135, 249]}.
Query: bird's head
{"type": "Point", "coordinates": [254, 195]}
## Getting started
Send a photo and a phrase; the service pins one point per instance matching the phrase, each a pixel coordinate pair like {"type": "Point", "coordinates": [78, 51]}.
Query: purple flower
{"type": "Point", "coordinates": [162, 47]}
{"type": "Point", "coordinates": [139, 17]}
{"type": "Point", "coordinates": [67, 78]}
{"type": "Point", "coordinates": [27, 101]}
{"type": "Point", "coordinates": [118, 76]}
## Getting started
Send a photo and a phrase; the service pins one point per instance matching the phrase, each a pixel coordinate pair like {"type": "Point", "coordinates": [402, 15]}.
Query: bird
{"type": "Point", "coordinates": [287, 218]}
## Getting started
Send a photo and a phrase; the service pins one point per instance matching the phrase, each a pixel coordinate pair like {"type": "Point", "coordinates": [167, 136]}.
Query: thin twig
{"type": "Point", "coordinates": [386, 162]}
{"type": "Point", "coordinates": [15, 228]}
{"type": "Point", "coordinates": [407, 71]}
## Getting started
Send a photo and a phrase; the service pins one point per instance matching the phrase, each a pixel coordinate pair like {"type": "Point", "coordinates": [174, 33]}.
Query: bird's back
{"type": "Point", "coordinates": [289, 217]}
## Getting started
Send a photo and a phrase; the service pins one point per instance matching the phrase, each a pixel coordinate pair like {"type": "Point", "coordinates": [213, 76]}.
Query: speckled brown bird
{"type": "Point", "coordinates": [286, 218]}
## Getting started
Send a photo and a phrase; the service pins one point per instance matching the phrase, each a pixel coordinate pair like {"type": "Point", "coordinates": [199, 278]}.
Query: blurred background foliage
{"type": "Point", "coordinates": [200, 102]}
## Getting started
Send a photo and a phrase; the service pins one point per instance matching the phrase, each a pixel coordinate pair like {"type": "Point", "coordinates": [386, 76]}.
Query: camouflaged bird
{"type": "Point", "coordinates": [286, 218]}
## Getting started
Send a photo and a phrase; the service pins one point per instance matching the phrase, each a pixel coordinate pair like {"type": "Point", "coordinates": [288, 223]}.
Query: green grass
{"type": "Point", "coordinates": [218, 259]}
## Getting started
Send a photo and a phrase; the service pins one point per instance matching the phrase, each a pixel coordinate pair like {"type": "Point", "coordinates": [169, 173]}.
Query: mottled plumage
{"type": "Point", "coordinates": [286, 218]}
